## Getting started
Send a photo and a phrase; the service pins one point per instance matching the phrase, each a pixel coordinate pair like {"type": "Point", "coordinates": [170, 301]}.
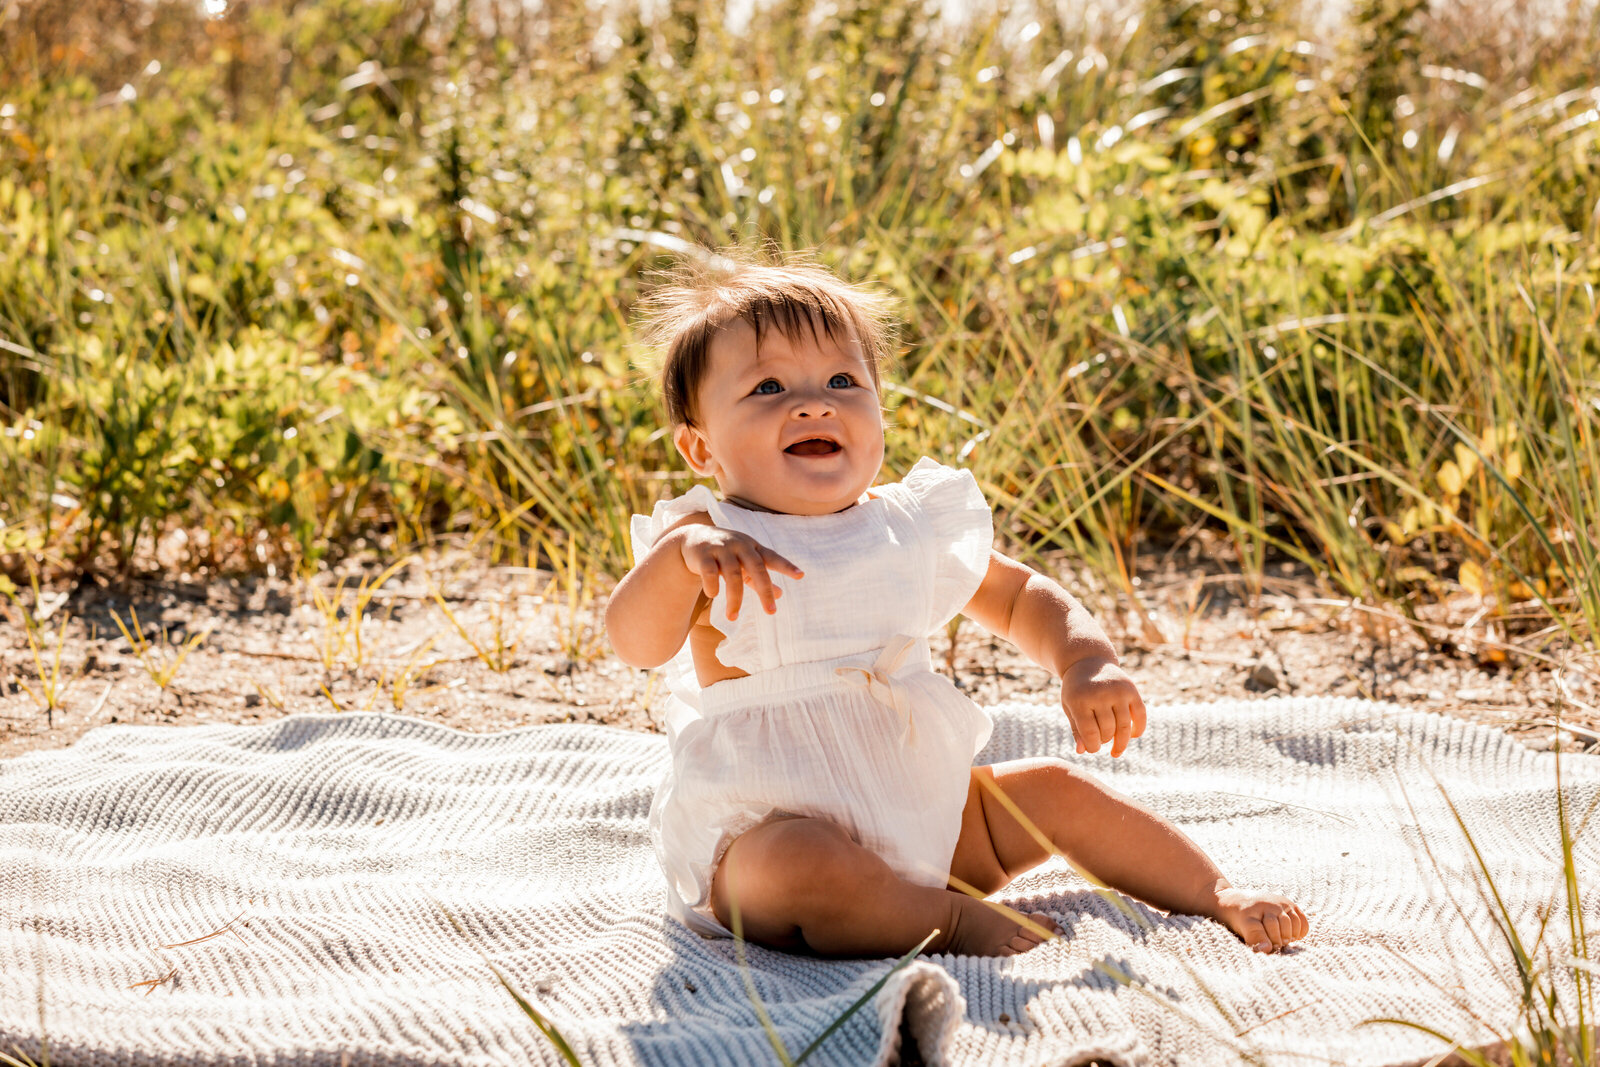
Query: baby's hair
{"type": "Point", "coordinates": [791, 294]}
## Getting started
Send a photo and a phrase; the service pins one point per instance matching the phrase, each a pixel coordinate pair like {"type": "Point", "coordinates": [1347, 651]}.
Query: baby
{"type": "Point", "coordinates": [822, 796]}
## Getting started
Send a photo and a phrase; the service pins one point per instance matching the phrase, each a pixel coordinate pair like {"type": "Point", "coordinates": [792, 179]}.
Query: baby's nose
{"type": "Point", "coordinates": [812, 404]}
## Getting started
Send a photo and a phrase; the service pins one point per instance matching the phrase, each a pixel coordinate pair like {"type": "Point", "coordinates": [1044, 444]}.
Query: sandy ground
{"type": "Point", "coordinates": [524, 650]}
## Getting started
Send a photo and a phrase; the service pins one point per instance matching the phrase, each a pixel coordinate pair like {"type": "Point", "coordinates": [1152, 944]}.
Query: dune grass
{"type": "Point", "coordinates": [300, 281]}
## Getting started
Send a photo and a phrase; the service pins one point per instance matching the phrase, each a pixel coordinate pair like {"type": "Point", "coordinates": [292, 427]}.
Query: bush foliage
{"type": "Point", "coordinates": [301, 274]}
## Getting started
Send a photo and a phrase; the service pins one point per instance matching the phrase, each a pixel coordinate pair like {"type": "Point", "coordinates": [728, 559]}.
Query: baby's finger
{"type": "Point", "coordinates": [710, 579]}
{"type": "Point", "coordinates": [1087, 731]}
{"type": "Point", "coordinates": [1106, 718]}
{"type": "Point", "coordinates": [766, 592]}
{"type": "Point", "coordinates": [1137, 710]}
{"type": "Point", "coordinates": [735, 590]}
{"type": "Point", "coordinates": [760, 580]}
{"type": "Point", "coordinates": [1119, 744]}
{"type": "Point", "coordinates": [776, 562]}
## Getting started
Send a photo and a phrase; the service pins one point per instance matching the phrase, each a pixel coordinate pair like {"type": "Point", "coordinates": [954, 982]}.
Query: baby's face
{"type": "Point", "coordinates": [794, 428]}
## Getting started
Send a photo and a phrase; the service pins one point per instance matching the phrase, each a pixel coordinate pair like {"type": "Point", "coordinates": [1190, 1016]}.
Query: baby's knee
{"type": "Point", "coordinates": [790, 862]}
{"type": "Point", "coordinates": [1043, 772]}
{"type": "Point", "coordinates": [803, 850]}
{"type": "Point", "coordinates": [1040, 788]}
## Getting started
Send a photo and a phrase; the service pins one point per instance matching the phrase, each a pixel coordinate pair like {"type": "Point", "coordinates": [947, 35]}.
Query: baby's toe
{"type": "Point", "coordinates": [1033, 927]}
{"type": "Point", "coordinates": [1022, 942]}
{"type": "Point", "coordinates": [1254, 933]}
{"type": "Point", "coordinates": [1030, 935]}
{"type": "Point", "coordinates": [1044, 928]}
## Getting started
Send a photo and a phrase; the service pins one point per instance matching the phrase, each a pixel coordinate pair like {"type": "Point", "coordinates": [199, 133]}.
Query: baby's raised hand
{"type": "Point", "coordinates": [1103, 705]}
{"type": "Point", "coordinates": [716, 554]}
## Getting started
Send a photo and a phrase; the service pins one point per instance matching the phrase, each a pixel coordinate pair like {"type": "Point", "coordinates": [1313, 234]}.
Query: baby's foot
{"type": "Point", "coordinates": [1267, 922]}
{"type": "Point", "coordinates": [981, 928]}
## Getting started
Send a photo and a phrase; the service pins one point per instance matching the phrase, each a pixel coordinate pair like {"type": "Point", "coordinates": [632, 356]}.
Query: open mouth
{"type": "Point", "coordinates": [813, 446]}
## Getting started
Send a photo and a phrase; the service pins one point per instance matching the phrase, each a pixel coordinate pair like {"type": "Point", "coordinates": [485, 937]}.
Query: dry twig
{"type": "Point", "coordinates": [225, 928]}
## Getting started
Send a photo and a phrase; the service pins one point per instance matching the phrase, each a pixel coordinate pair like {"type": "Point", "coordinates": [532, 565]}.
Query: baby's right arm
{"type": "Point", "coordinates": [651, 609]}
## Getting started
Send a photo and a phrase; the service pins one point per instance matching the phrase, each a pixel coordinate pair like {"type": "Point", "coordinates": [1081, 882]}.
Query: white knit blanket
{"type": "Point", "coordinates": [328, 850]}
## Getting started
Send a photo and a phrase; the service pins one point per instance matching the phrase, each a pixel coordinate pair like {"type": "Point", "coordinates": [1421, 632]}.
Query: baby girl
{"type": "Point", "coordinates": [822, 796]}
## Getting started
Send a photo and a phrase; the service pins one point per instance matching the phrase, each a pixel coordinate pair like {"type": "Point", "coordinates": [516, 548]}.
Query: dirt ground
{"type": "Point", "coordinates": [523, 649]}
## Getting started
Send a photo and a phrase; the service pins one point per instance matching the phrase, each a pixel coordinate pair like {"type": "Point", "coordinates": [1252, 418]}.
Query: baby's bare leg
{"type": "Point", "coordinates": [803, 884]}
{"type": "Point", "coordinates": [1115, 840]}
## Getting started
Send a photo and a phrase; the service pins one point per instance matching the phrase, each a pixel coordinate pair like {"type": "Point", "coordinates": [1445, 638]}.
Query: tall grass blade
{"type": "Point", "coordinates": [865, 998]}
{"type": "Point", "coordinates": [539, 1020]}
{"type": "Point", "coordinates": [775, 1039]}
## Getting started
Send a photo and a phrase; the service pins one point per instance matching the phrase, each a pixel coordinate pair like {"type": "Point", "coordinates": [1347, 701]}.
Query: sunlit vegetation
{"type": "Point", "coordinates": [288, 280]}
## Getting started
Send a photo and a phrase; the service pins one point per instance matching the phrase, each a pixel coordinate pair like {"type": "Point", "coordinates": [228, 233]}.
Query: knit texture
{"type": "Point", "coordinates": [333, 850]}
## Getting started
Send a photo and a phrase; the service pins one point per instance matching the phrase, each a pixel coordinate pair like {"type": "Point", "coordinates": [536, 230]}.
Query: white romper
{"type": "Point", "coordinates": [842, 716]}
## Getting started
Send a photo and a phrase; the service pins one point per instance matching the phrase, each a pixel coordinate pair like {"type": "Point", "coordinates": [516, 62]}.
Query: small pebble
{"type": "Point", "coordinates": [1262, 677]}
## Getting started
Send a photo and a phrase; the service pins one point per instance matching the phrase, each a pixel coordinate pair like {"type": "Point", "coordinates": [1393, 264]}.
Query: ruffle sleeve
{"type": "Point", "coordinates": [644, 531]}
{"type": "Point", "coordinates": [740, 645]}
{"type": "Point", "coordinates": [960, 528]}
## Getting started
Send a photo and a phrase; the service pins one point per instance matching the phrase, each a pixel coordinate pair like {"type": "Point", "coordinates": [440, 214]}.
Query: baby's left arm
{"type": "Point", "coordinates": [1055, 631]}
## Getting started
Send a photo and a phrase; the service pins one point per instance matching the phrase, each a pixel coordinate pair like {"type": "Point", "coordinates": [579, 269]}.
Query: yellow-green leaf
{"type": "Point", "coordinates": [202, 286]}
{"type": "Point", "coordinates": [1450, 479]}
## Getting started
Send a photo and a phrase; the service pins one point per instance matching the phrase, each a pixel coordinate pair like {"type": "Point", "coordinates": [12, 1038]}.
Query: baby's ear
{"type": "Point", "coordinates": [694, 448]}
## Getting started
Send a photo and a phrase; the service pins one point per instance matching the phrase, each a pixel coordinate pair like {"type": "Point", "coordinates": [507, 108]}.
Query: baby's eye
{"type": "Point", "coordinates": [764, 391]}
{"type": "Point", "coordinates": [841, 381]}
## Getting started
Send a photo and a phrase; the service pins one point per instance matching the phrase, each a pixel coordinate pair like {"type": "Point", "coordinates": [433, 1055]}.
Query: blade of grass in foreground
{"type": "Point", "coordinates": [1549, 1034]}
{"type": "Point", "coordinates": [1471, 1056]}
{"type": "Point", "coordinates": [862, 1001]}
{"type": "Point", "coordinates": [545, 1026]}
{"type": "Point", "coordinates": [773, 1037]}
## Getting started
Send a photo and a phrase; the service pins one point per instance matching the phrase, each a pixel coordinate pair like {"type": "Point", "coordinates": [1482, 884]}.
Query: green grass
{"type": "Point", "coordinates": [349, 275]}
